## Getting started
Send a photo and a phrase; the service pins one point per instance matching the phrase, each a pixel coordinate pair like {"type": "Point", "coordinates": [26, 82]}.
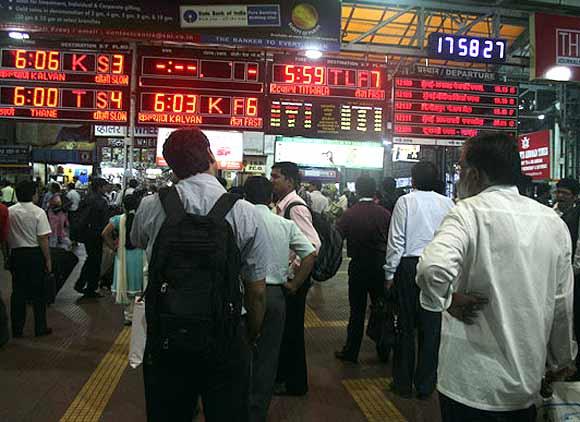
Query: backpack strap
{"type": "Point", "coordinates": [172, 205]}
{"type": "Point", "coordinates": [223, 206]}
{"type": "Point", "coordinates": [292, 205]}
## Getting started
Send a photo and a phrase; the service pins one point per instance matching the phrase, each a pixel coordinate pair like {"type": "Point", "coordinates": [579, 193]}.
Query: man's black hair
{"type": "Point", "coordinates": [98, 183]}
{"type": "Point", "coordinates": [365, 187]}
{"type": "Point", "coordinates": [317, 185]}
{"type": "Point", "coordinates": [569, 183]}
{"type": "Point", "coordinates": [25, 191]}
{"type": "Point", "coordinates": [289, 170]}
{"type": "Point", "coordinates": [425, 176]}
{"type": "Point", "coordinates": [71, 186]}
{"type": "Point", "coordinates": [389, 184]}
{"type": "Point", "coordinates": [258, 190]}
{"type": "Point", "coordinates": [133, 183]}
{"type": "Point", "coordinates": [495, 154]}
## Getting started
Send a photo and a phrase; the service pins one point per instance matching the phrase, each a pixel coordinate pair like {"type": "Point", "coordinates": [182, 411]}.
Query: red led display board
{"type": "Point", "coordinates": [331, 98]}
{"type": "Point", "coordinates": [440, 109]}
{"type": "Point", "coordinates": [206, 88]}
{"type": "Point", "coordinates": [64, 85]}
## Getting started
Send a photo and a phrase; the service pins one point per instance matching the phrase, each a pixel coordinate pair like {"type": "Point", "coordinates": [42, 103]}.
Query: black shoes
{"type": "Point", "coordinates": [281, 390]}
{"type": "Point", "coordinates": [345, 357]}
{"type": "Point", "coordinates": [46, 332]}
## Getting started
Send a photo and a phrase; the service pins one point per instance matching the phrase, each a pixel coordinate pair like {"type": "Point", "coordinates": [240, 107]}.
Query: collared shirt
{"type": "Point", "coordinates": [199, 194]}
{"type": "Point", "coordinates": [319, 202]}
{"type": "Point", "coordinates": [27, 222]}
{"type": "Point", "coordinates": [516, 253]}
{"type": "Point", "coordinates": [415, 219]}
{"type": "Point", "coordinates": [301, 216]}
{"type": "Point", "coordinates": [365, 226]}
{"type": "Point", "coordinates": [75, 199]}
{"type": "Point", "coordinates": [282, 234]}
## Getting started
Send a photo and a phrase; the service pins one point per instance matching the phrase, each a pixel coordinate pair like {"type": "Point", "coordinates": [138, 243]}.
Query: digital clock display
{"type": "Point", "coordinates": [72, 85]}
{"type": "Point", "coordinates": [464, 48]}
{"type": "Point", "coordinates": [207, 88]}
{"type": "Point", "coordinates": [332, 98]}
{"type": "Point", "coordinates": [441, 109]}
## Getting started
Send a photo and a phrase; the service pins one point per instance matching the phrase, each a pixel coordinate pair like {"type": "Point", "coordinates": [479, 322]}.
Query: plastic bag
{"type": "Point", "coordinates": [138, 334]}
{"type": "Point", "coordinates": [564, 405]}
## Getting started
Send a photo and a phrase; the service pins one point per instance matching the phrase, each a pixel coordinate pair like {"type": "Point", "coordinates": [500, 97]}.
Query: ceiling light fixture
{"type": "Point", "coordinates": [313, 54]}
{"type": "Point", "coordinates": [559, 73]}
{"type": "Point", "coordinates": [16, 35]}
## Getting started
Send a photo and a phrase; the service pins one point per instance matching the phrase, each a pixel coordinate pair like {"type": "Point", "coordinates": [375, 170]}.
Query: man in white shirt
{"type": "Point", "coordinates": [282, 234]}
{"type": "Point", "coordinates": [500, 265]}
{"type": "Point", "coordinates": [320, 202]}
{"type": "Point", "coordinates": [415, 219]}
{"type": "Point", "coordinates": [74, 197]}
{"type": "Point", "coordinates": [30, 260]}
{"type": "Point", "coordinates": [8, 194]}
{"type": "Point", "coordinates": [292, 369]}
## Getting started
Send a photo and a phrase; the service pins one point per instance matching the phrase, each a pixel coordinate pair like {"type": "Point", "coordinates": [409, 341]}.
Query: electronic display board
{"type": "Point", "coordinates": [466, 48]}
{"type": "Point", "coordinates": [206, 88]}
{"type": "Point", "coordinates": [441, 109]}
{"type": "Point", "coordinates": [331, 98]}
{"type": "Point", "coordinates": [64, 85]}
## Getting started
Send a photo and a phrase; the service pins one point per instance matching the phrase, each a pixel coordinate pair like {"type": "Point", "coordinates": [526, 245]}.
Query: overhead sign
{"type": "Point", "coordinates": [554, 41]}
{"type": "Point", "coordinates": [121, 131]}
{"type": "Point", "coordinates": [206, 88]}
{"type": "Point", "coordinates": [535, 154]}
{"type": "Point", "coordinates": [254, 23]}
{"type": "Point", "coordinates": [442, 109]}
{"type": "Point", "coordinates": [15, 154]}
{"type": "Point", "coordinates": [227, 148]}
{"type": "Point", "coordinates": [327, 153]}
{"type": "Point", "coordinates": [466, 48]}
{"type": "Point", "coordinates": [333, 98]}
{"type": "Point", "coordinates": [64, 85]}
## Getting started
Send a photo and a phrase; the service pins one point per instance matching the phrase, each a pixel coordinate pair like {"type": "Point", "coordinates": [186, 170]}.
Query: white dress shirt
{"type": "Point", "coordinates": [415, 218]}
{"type": "Point", "coordinates": [516, 253]}
{"type": "Point", "coordinates": [75, 199]}
{"type": "Point", "coordinates": [283, 234]}
{"type": "Point", "coordinates": [320, 202]}
{"type": "Point", "coordinates": [27, 222]}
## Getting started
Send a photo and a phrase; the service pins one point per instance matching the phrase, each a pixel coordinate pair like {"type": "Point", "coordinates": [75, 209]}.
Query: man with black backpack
{"type": "Point", "coordinates": [200, 242]}
{"type": "Point", "coordinates": [292, 369]}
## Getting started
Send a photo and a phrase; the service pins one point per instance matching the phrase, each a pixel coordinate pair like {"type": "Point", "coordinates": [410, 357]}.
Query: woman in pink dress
{"type": "Point", "coordinates": [57, 218]}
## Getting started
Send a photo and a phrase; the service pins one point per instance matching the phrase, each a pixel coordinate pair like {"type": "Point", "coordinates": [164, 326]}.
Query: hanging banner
{"type": "Point", "coordinates": [554, 41]}
{"type": "Point", "coordinates": [535, 154]}
{"type": "Point", "coordinates": [294, 24]}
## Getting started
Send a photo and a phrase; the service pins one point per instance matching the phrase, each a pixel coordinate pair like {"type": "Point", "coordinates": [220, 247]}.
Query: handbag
{"type": "Point", "coordinates": [383, 325]}
{"type": "Point", "coordinates": [138, 334]}
{"type": "Point", "coordinates": [563, 405]}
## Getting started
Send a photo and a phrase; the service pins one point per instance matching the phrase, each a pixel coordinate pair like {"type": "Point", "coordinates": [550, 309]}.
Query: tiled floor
{"type": "Point", "coordinates": [80, 373]}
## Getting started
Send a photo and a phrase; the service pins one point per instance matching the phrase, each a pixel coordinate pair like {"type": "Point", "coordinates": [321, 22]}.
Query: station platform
{"type": "Point", "coordinates": [80, 373]}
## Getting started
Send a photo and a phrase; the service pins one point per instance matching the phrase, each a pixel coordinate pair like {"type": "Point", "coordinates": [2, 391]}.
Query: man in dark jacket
{"type": "Point", "coordinates": [365, 226]}
{"type": "Point", "coordinates": [93, 216]}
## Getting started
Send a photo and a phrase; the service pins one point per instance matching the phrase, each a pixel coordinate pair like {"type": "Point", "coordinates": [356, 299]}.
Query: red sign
{"type": "Point", "coordinates": [535, 154]}
{"type": "Point", "coordinates": [555, 41]}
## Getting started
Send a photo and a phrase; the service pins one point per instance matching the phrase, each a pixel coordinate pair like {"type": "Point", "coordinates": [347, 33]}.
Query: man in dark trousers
{"type": "Point", "coordinates": [292, 370]}
{"type": "Point", "coordinates": [365, 226]}
{"type": "Point", "coordinates": [93, 216]}
{"type": "Point", "coordinates": [415, 219]}
{"type": "Point", "coordinates": [30, 260]}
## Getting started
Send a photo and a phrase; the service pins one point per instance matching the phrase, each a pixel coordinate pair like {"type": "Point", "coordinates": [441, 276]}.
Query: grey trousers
{"type": "Point", "coordinates": [265, 358]}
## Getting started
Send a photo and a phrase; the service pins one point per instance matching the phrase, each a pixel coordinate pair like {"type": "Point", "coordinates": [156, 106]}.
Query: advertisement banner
{"type": "Point", "coordinates": [326, 153]}
{"type": "Point", "coordinates": [227, 148]}
{"type": "Point", "coordinates": [535, 154]}
{"type": "Point", "coordinates": [290, 24]}
{"type": "Point", "coordinates": [554, 41]}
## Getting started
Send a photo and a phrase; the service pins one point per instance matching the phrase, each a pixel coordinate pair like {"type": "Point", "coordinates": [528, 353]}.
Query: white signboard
{"type": "Point", "coordinates": [227, 147]}
{"type": "Point", "coordinates": [121, 131]}
{"type": "Point", "coordinates": [409, 153]}
{"type": "Point", "coordinates": [327, 153]}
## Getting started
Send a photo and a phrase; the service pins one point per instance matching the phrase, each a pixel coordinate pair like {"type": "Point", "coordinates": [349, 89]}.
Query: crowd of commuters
{"type": "Point", "coordinates": [483, 287]}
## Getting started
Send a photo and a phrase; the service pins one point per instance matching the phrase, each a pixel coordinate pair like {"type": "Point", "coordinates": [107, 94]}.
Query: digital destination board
{"type": "Point", "coordinates": [332, 98]}
{"type": "Point", "coordinates": [206, 88]}
{"type": "Point", "coordinates": [64, 85]}
{"type": "Point", "coordinates": [452, 110]}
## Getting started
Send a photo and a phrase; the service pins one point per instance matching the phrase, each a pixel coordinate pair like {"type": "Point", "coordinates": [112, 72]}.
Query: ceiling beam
{"type": "Point", "coordinates": [381, 25]}
{"type": "Point", "coordinates": [471, 24]}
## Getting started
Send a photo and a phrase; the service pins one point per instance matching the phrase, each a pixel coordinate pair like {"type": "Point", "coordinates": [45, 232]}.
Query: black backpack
{"type": "Point", "coordinates": [330, 255]}
{"type": "Point", "coordinates": [194, 298]}
{"type": "Point", "coordinates": [80, 222]}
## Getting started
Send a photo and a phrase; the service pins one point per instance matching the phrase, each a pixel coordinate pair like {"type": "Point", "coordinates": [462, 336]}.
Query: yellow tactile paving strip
{"type": "Point", "coordinates": [369, 395]}
{"type": "Point", "coordinates": [311, 320]}
{"type": "Point", "coordinates": [90, 403]}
